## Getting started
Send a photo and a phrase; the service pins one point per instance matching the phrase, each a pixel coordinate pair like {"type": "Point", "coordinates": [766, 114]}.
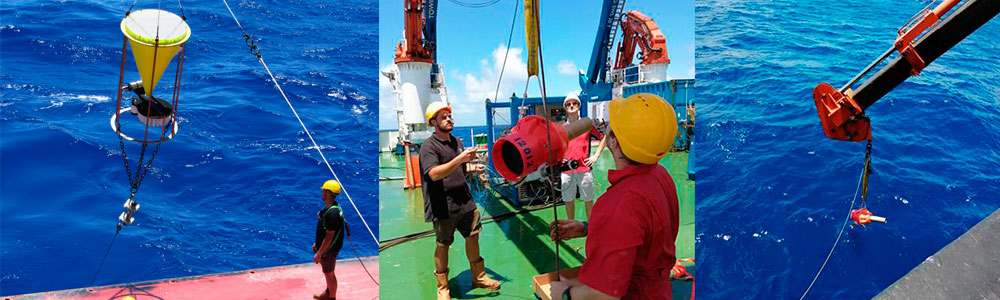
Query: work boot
{"type": "Point", "coordinates": [444, 293]}
{"type": "Point", "coordinates": [325, 295]}
{"type": "Point", "coordinates": [479, 277]}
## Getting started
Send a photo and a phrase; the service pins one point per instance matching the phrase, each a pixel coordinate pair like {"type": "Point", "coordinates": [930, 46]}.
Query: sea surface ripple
{"type": "Point", "coordinates": [239, 186]}
{"type": "Point", "coordinates": [773, 191]}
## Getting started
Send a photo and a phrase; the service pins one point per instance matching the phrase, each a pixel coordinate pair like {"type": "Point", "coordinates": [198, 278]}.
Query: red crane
{"type": "Point", "coordinates": [413, 48]}
{"type": "Point", "coordinates": [921, 41]}
{"type": "Point", "coordinates": [641, 30]}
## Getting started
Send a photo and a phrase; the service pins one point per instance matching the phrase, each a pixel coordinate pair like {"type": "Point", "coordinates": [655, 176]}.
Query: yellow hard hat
{"type": "Point", "coordinates": [645, 126]}
{"type": "Point", "coordinates": [434, 108]}
{"type": "Point", "coordinates": [332, 186]}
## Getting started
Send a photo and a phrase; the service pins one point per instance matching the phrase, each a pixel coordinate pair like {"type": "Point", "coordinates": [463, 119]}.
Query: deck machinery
{"type": "Point", "coordinates": [955, 272]}
{"type": "Point", "coordinates": [608, 77]}
{"type": "Point", "coordinates": [416, 81]}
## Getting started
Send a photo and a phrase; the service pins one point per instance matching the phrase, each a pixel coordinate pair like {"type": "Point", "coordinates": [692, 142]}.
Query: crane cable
{"type": "Point", "coordinates": [256, 52]}
{"type": "Point", "coordinates": [548, 134]}
{"type": "Point", "coordinates": [861, 181]}
{"type": "Point", "coordinates": [503, 66]}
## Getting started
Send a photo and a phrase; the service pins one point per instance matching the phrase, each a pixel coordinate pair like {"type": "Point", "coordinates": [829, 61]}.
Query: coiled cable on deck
{"type": "Point", "coordinates": [386, 244]}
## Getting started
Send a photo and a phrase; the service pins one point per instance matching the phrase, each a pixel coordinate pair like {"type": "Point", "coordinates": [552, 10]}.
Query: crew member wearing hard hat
{"type": "Point", "coordinates": [580, 179]}
{"type": "Point", "coordinates": [330, 231]}
{"type": "Point", "coordinates": [630, 237]}
{"type": "Point", "coordinates": [447, 200]}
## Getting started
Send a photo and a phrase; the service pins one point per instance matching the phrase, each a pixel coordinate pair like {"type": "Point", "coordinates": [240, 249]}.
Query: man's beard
{"type": "Point", "coordinates": [443, 130]}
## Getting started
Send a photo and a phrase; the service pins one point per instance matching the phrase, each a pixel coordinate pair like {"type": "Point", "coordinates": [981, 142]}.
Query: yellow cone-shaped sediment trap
{"type": "Point", "coordinates": [154, 32]}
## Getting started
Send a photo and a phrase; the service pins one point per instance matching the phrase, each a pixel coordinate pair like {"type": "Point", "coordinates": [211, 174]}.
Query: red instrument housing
{"type": "Point", "coordinates": [527, 147]}
{"type": "Point", "coordinates": [861, 216]}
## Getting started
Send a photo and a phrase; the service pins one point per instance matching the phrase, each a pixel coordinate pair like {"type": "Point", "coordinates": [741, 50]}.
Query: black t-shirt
{"type": "Point", "coordinates": [449, 196]}
{"type": "Point", "coordinates": [331, 218]}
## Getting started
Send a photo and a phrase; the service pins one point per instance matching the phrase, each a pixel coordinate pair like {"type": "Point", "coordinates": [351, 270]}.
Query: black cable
{"type": "Point", "coordinates": [130, 8]}
{"type": "Point", "coordinates": [386, 244]}
{"type": "Point", "coordinates": [356, 255]}
{"type": "Point", "coordinates": [183, 17]}
{"type": "Point", "coordinates": [117, 230]}
{"type": "Point", "coordinates": [868, 170]}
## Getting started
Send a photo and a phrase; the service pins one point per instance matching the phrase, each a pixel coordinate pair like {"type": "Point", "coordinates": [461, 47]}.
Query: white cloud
{"type": "Point", "coordinates": [468, 91]}
{"type": "Point", "coordinates": [567, 67]}
{"type": "Point", "coordinates": [468, 107]}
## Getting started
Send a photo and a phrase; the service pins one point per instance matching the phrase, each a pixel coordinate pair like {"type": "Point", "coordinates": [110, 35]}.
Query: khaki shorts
{"type": "Point", "coordinates": [328, 262]}
{"type": "Point", "coordinates": [466, 224]}
{"type": "Point", "coordinates": [571, 182]}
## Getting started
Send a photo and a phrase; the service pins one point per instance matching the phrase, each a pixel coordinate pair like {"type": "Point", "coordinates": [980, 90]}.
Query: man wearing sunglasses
{"type": "Point", "coordinates": [579, 179]}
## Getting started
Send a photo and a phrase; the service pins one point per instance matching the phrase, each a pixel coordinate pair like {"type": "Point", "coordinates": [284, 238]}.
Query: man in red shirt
{"type": "Point", "coordinates": [579, 179]}
{"type": "Point", "coordinates": [630, 239]}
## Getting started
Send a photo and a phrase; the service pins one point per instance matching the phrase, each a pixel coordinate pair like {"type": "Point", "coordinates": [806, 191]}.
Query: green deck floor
{"type": "Point", "coordinates": [515, 249]}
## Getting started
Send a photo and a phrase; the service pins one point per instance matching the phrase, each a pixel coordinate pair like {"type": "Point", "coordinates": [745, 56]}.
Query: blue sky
{"type": "Point", "coordinates": [471, 44]}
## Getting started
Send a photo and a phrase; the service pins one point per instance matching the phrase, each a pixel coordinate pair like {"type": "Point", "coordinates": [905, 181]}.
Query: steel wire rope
{"type": "Point", "coordinates": [320, 151]}
{"type": "Point", "coordinates": [548, 133]}
{"type": "Point", "coordinates": [276, 84]}
{"type": "Point", "coordinates": [513, 21]}
{"type": "Point", "coordinates": [99, 267]}
{"type": "Point", "coordinates": [842, 227]}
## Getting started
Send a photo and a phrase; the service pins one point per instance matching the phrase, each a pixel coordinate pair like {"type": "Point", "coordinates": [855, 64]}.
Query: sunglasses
{"type": "Point", "coordinates": [572, 103]}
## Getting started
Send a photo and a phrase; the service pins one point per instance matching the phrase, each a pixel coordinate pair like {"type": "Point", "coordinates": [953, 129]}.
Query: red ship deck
{"type": "Point", "coordinates": [282, 282]}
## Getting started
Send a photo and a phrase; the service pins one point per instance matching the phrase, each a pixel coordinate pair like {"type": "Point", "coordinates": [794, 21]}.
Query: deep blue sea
{"type": "Point", "coordinates": [773, 191]}
{"type": "Point", "coordinates": [465, 132]}
{"type": "Point", "coordinates": [238, 188]}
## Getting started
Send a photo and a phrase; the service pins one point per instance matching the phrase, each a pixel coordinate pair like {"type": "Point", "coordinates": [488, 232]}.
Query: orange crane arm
{"type": "Point", "coordinates": [412, 48]}
{"type": "Point", "coordinates": [921, 40]}
{"type": "Point", "coordinates": [640, 30]}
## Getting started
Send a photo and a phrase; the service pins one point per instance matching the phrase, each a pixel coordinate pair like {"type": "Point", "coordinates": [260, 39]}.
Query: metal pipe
{"type": "Point", "coordinates": [932, 45]}
{"type": "Point", "coordinates": [945, 7]}
{"type": "Point", "coordinates": [867, 69]}
{"type": "Point", "coordinates": [579, 127]}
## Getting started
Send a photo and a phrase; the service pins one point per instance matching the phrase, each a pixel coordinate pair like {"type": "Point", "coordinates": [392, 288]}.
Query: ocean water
{"type": "Point", "coordinates": [773, 191]}
{"type": "Point", "coordinates": [237, 188]}
{"type": "Point", "coordinates": [466, 132]}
